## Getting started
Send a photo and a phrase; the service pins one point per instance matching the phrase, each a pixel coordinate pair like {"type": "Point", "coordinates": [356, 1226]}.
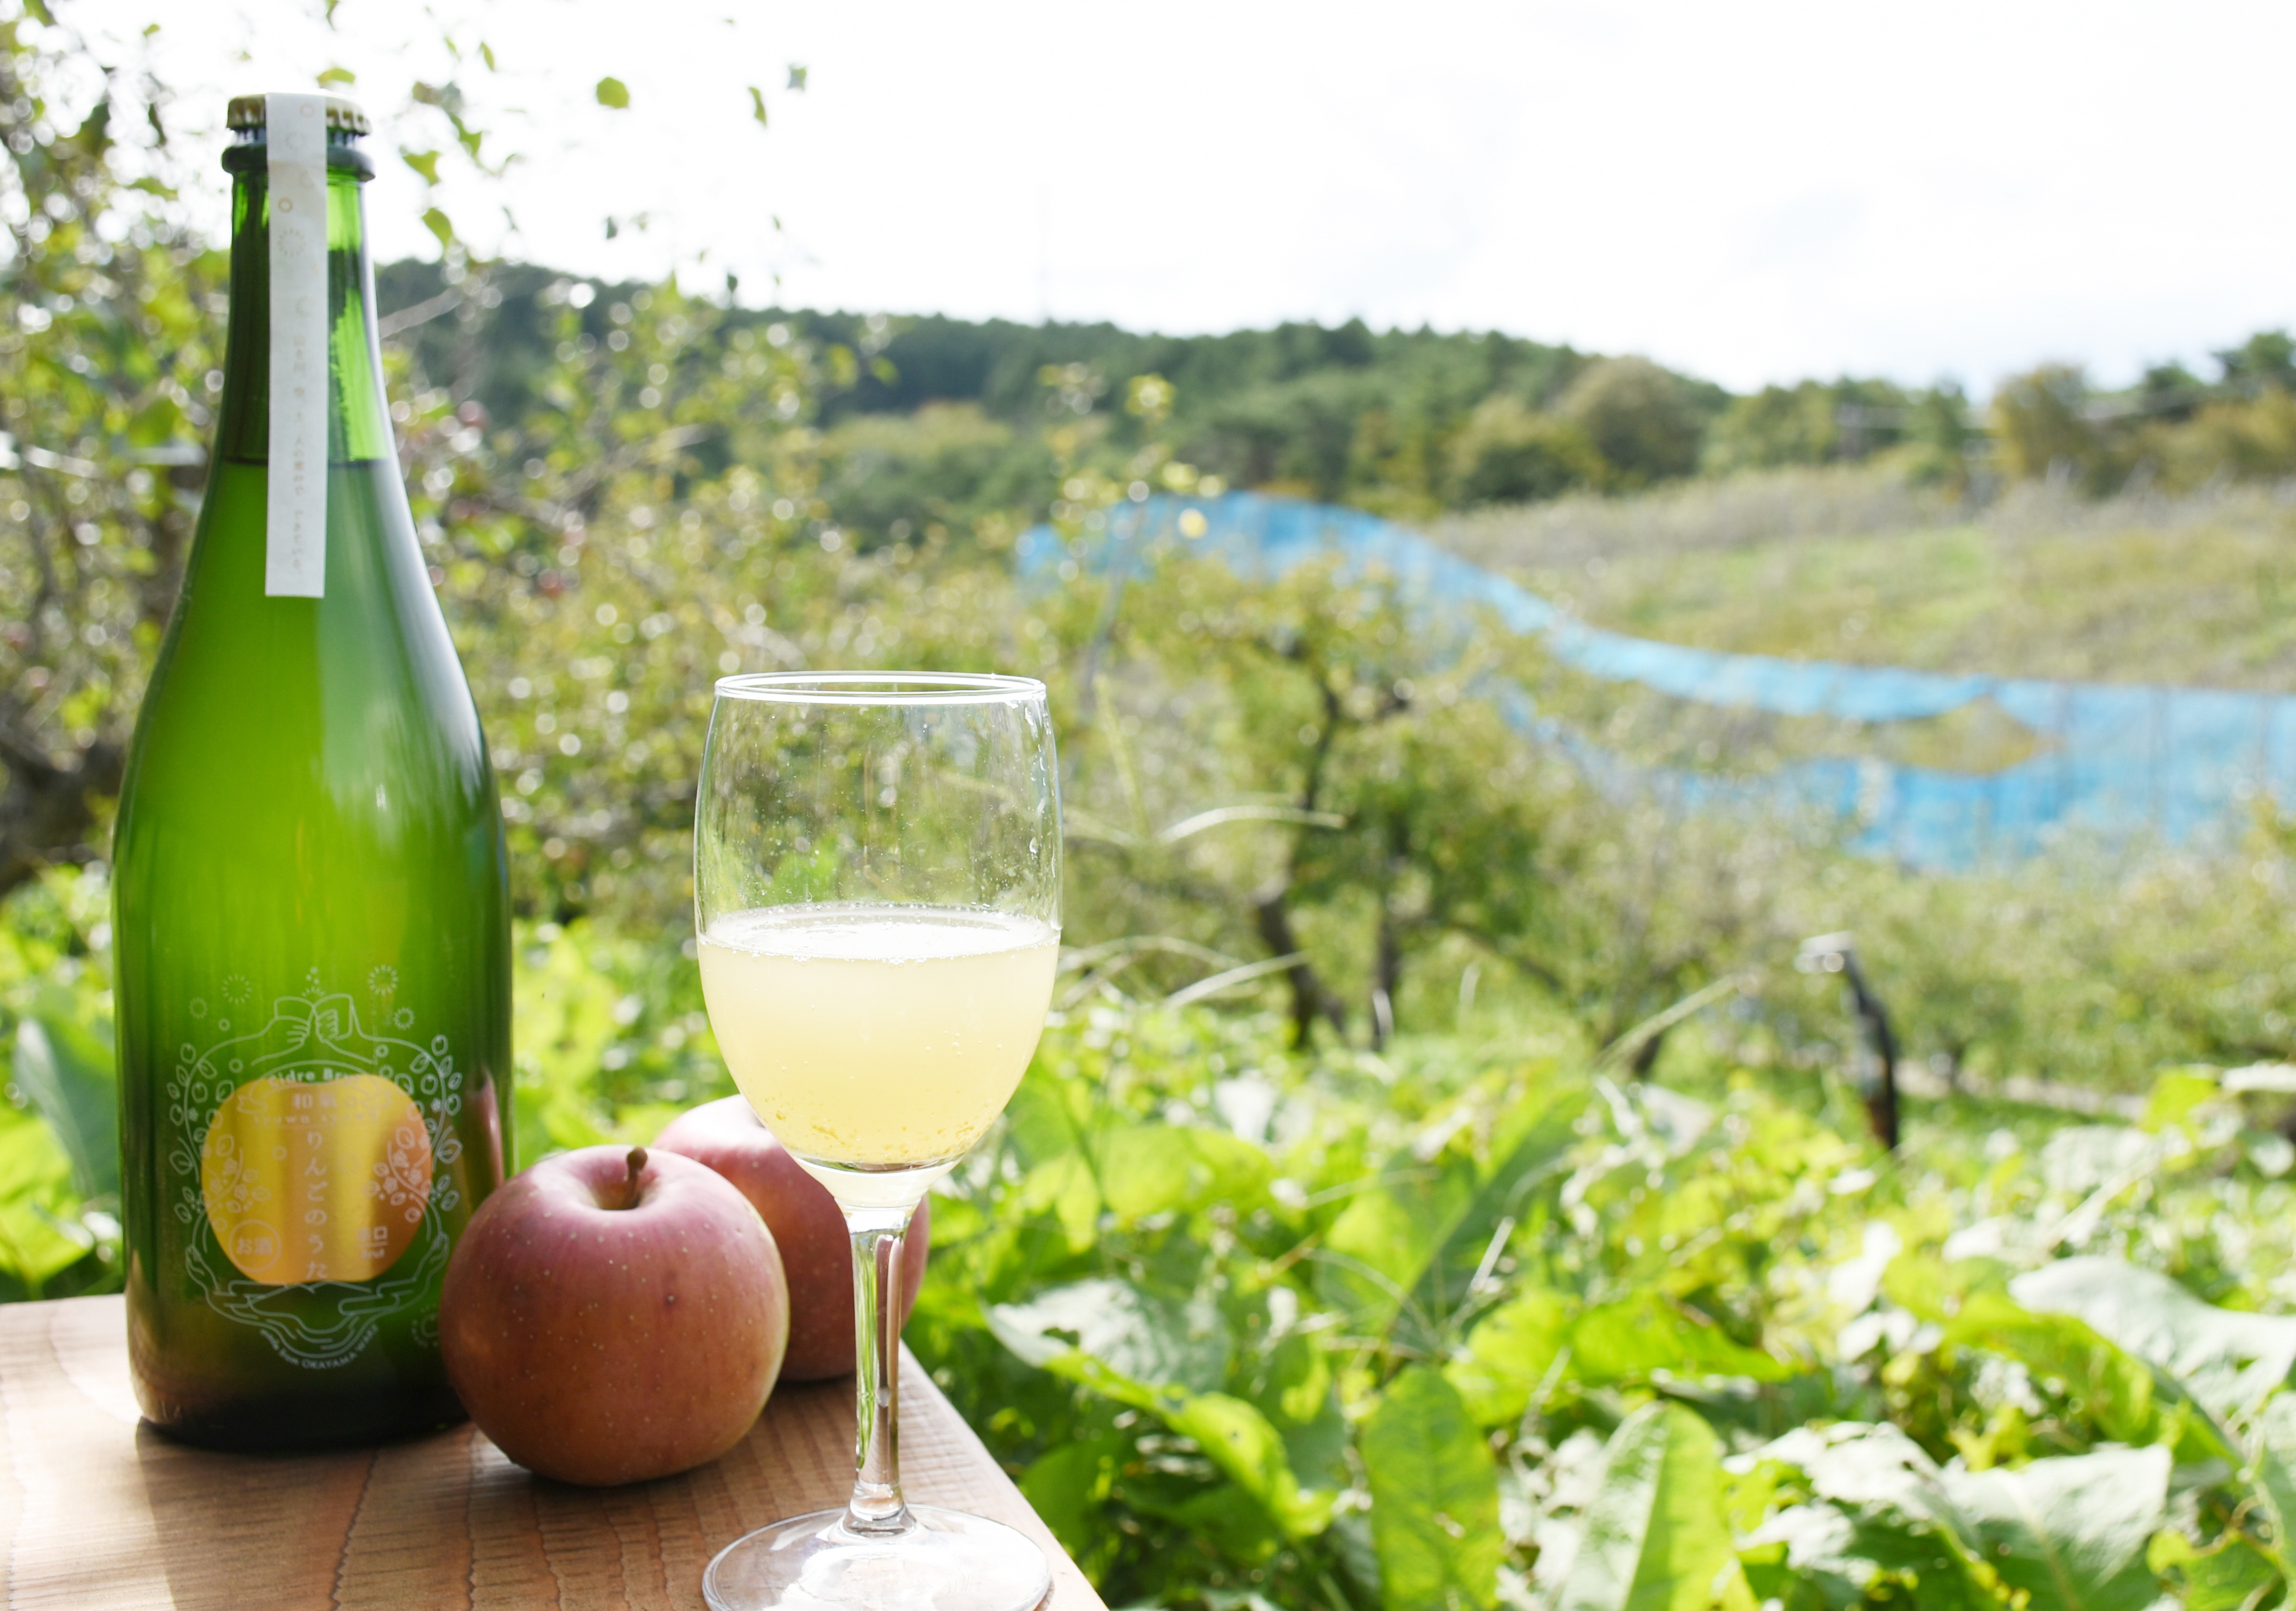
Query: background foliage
{"type": "Point", "coordinates": [1438, 1186]}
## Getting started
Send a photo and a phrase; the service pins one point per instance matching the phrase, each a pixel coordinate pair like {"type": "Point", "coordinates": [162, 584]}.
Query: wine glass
{"type": "Point", "coordinates": [877, 876]}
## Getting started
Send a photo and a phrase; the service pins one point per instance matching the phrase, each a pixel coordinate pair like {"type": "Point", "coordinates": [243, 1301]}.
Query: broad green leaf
{"type": "Point", "coordinates": [1293, 1388]}
{"type": "Point", "coordinates": [2228, 1361]}
{"type": "Point", "coordinates": [35, 1175]}
{"type": "Point", "coordinates": [1509, 1353]}
{"type": "Point", "coordinates": [1140, 1336]}
{"type": "Point", "coordinates": [2114, 1387]}
{"type": "Point", "coordinates": [2232, 1574]}
{"type": "Point", "coordinates": [2071, 1532]}
{"type": "Point", "coordinates": [1239, 1441]}
{"type": "Point", "coordinates": [613, 93]}
{"type": "Point", "coordinates": [1064, 1187]}
{"type": "Point", "coordinates": [1068, 1487]}
{"type": "Point", "coordinates": [1050, 1116]}
{"type": "Point", "coordinates": [2177, 1093]}
{"type": "Point", "coordinates": [758, 106]}
{"type": "Point", "coordinates": [64, 1065]}
{"type": "Point", "coordinates": [2269, 1447]}
{"type": "Point", "coordinates": [1532, 1139]}
{"type": "Point", "coordinates": [439, 225]}
{"type": "Point", "coordinates": [1165, 1358]}
{"type": "Point", "coordinates": [1900, 1520]}
{"type": "Point", "coordinates": [1383, 1245]}
{"type": "Point", "coordinates": [2231, 1366]}
{"type": "Point", "coordinates": [1150, 1169]}
{"type": "Point", "coordinates": [1384, 1240]}
{"type": "Point", "coordinates": [1804, 1559]}
{"type": "Point", "coordinates": [1636, 1337]}
{"type": "Point", "coordinates": [1435, 1498]}
{"type": "Point", "coordinates": [1228, 1522]}
{"type": "Point", "coordinates": [1654, 1537]}
{"type": "Point", "coordinates": [424, 162]}
{"type": "Point", "coordinates": [1294, 1382]}
{"type": "Point", "coordinates": [556, 1120]}
{"type": "Point", "coordinates": [1925, 1285]}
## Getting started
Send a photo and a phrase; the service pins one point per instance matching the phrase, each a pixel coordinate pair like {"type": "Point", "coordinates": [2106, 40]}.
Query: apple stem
{"type": "Point", "coordinates": [638, 1166]}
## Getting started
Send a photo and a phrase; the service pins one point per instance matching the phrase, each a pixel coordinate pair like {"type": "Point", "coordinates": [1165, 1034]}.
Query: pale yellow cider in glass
{"type": "Point", "coordinates": [877, 1037]}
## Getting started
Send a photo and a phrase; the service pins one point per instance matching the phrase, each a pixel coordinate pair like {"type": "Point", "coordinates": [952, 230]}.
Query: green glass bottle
{"type": "Point", "coordinates": [311, 904]}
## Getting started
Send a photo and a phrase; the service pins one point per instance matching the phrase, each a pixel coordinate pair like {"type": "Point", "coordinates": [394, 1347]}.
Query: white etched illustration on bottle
{"type": "Point", "coordinates": [317, 1163]}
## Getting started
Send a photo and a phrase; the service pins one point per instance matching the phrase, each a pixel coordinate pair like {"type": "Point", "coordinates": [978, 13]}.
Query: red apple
{"type": "Point", "coordinates": [730, 1137]}
{"type": "Point", "coordinates": [614, 1316]}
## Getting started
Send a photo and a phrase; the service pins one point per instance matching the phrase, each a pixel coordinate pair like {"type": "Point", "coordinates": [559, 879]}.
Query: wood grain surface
{"type": "Point", "coordinates": [97, 1510]}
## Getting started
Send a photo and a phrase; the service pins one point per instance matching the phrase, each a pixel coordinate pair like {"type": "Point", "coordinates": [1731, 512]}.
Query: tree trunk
{"type": "Point", "coordinates": [45, 810]}
{"type": "Point", "coordinates": [1386, 980]}
{"type": "Point", "coordinates": [1880, 1087]}
{"type": "Point", "coordinates": [1310, 1000]}
{"type": "Point", "coordinates": [1645, 1057]}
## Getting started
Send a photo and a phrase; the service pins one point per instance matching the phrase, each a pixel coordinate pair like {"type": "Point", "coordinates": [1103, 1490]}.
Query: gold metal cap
{"type": "Point", "coordinates": [248, 111]}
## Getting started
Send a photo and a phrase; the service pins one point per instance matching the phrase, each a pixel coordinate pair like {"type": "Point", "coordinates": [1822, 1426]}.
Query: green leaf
{"type": "Point", "coordinates": [1294, 1385]}
{"type": "Point", "coordinates": [613, 93]}
{"type": "Point", "coordinates": [2177, 1093]}
{"type": "Point", "coordinates": [1927, 1285]}
{"type": "Point", "coordinates": [64, 1065]}
{"type": "Point", "coordinates": [1051, 1117]}
{"type": "Point", "coordinates": [1435, 1498]}
{"type": "Point", "coordinates": [2231, 1366]}
{"type": "Point", "coordinates": [34, 1194]}
{"type": "Point", "coordinates": [2228, 1361]}
{"type": "Point", "coordinates": [1509, 1354]}
{"type": "Point", "coordinates": [1633, 1338]}
{"type": "Point", "coordinates": [1384, 1240]}
{"type": "Point", "coordinates": [2229, 1575]}
{"type": "Point", "coordinates": [1150, 1169]}
{"type": "Point", "coordinates": [1068, 1487]}
{"type": "Point", "coordinates": [758, 106]}
{"type": "Point", "coordinates": [1805, 1560]}
{"type": "Point", "coordinates": [2071, 1532]}
{"type": "Point", "coordinates": [2269, 1447]}
{"type": "Point", "coordinates": [1239, 1441]}
{"type": "Point", "coordinates": [337, 75]}
{"type": "Point", "coordinates": [1389, 1238]}
{"type": "Point", "coordinates": [1884, 1511]}
{"type": "Point", "coordinates": [1654, 1538]}
{"type": "Point", "coordinates": [2115, 1388]}
{"type": "Point", "coordinates": [439, 225]}
{"type": "Point", "coordinates": [425, 162]}
{"type": "Point", "coordinates": [1064, 1187]}
{"type": "Point", "coordinates": [1153, 1354]}
{"type": "Point", "coordinates": [1139, 1336]}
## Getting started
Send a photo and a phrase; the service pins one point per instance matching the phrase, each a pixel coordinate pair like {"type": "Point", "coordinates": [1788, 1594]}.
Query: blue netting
{"type": "Point", "coordinates": [2179, 763]}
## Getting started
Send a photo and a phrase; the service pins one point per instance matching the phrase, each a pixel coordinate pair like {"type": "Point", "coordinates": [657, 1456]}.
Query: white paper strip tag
{"type": "Point", "coordinates": [295, 546]}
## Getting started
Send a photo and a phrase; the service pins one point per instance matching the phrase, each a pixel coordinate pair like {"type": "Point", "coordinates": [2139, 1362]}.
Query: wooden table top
{"type": "Point", "coordinates": [97, 1510]}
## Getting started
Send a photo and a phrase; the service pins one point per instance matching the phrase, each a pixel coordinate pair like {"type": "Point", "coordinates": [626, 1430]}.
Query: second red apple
{"type": "Point", "coordinates": [817, 1254]}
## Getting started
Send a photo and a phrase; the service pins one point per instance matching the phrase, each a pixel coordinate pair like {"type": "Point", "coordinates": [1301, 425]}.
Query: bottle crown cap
{"type": "Point", "coordinates": [249, 112]}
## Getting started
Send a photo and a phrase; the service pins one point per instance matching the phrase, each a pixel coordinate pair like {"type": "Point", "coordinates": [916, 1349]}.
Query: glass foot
{"type": "Point", "coordinates": [947, 1561]}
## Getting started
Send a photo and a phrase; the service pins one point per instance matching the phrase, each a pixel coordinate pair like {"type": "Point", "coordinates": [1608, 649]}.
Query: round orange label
{"type": "Point", "coordinates": [316, 1180]}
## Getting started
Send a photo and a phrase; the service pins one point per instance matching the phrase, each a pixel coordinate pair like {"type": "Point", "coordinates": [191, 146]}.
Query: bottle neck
{"type": "Point", "coordinates": [359, 420]}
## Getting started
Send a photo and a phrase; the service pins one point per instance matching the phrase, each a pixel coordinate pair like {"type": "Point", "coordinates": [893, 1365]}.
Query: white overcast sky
{"type": "Point", "coordinates": [1753, 191]}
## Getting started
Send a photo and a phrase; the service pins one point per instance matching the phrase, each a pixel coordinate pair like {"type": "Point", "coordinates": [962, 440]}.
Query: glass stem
{"type": "Point", "coordinates": [876, 1506]}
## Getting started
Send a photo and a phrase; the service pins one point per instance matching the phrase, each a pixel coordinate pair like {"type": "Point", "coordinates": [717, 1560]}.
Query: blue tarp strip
{"type": "Point", "coordinates": [2176, 762]}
